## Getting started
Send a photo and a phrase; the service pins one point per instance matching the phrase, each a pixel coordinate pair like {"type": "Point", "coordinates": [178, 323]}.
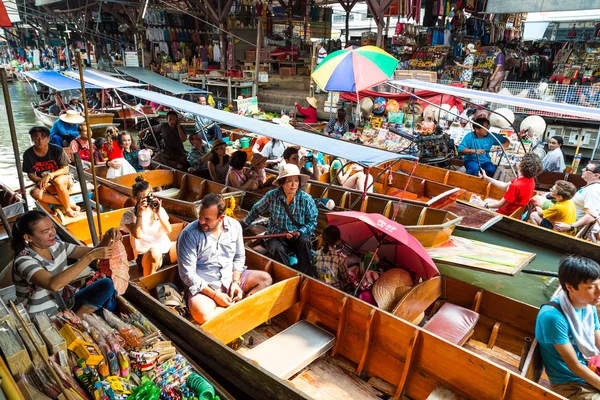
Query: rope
{"type": "Point", "coordinates": [200, 386]}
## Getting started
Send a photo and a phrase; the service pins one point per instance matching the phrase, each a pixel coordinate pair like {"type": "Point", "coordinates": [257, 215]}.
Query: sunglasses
{"type": "Point", "coordinates": [593, 171]}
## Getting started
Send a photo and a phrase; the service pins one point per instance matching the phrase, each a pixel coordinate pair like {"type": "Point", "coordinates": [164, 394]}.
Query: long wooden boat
{"type": "Point", "coordinates": [130, 118]}
{"type": "Point", "coordinates": [512, 226]}
{"type": "Point", "coordinates": [371, 354]}
{"type": "Point", "coordinates": [98, 122]}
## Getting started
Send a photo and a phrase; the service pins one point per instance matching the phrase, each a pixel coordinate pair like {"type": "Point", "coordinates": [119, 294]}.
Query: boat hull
{"type": "Point", "coordinates": [98, 122]}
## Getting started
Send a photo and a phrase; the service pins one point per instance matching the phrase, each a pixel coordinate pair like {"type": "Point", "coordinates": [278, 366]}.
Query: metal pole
{"type": "Point", "coordinates": [91, 143]}
{"type": "Point", "coordinates": [13, 135]}
{"type": "Point", "coordinates": [86, 200]}
{"type": "Point", "coordinates": [257, 67]}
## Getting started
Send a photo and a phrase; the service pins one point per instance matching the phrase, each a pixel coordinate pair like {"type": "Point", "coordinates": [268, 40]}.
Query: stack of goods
{"type": "Point", "coordinates": [581, 64]}
{"type": "Point", "coordinates": [108, 358]}
{"type": "Point", "coordinates": [431, 58]}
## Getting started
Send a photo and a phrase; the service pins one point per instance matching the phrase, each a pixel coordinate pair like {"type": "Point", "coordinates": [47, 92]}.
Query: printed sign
{"type": "Point", "coordinates": [131, 59]}
{"type": "Point", "coordinates": [248, 105]}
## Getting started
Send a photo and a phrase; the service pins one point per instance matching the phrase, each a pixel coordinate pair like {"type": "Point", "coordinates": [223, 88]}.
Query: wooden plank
{"type": "Point", "coordinates": [441, 393]}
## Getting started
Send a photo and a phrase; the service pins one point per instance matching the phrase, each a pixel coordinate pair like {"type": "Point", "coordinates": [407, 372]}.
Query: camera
{"type": "Point", "coordinates": [152, 202]}
{"type": "Point", "coordinates": [309, 157]}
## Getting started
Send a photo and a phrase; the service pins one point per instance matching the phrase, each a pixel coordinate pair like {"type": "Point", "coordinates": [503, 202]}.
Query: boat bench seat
{"type": "Point", "coordinates": [171, 193]}
{"type": "Point", "coordinates": [288, 352]}
{"type": "Point", "coordinates": [453, 323]}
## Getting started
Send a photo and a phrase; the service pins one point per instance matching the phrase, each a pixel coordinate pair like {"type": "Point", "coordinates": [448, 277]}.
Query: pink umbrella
{"type": "Point", "coordinates": [389, 239]}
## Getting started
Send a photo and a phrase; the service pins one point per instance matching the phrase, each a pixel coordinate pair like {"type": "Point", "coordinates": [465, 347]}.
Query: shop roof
{"type": "Point", "coordinates": [530, 104]}
{"type": "Point", "coordinates": [99, 78]}
{"type": "Point", "coordinates": [159, 81]}
{"type": "Point", "coordinates": [57, 81]}
{"type": "Point", "coordinates": [364, 155]}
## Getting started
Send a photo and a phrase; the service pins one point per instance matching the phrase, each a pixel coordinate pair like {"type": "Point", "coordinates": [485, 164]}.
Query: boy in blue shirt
{"type": "Point", "coordinates": [475, 148]}
{"type": "Point", "coordinates": [569, 334]}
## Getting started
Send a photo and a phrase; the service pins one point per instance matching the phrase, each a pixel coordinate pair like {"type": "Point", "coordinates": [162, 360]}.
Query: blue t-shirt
{"type": "Point", "coordinates": [551, 327]}
{"type": "Point", "coordinates": [471, 141]}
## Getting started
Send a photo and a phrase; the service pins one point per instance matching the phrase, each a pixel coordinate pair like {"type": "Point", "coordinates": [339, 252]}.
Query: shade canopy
{"type": "Point", "coordinates": [57, 81]}
{"type": "Point", "coordinates": [367, 156]}
{"type": "Point", "coordinates": [99, 78]}
{"type": "Point", "coordinates": [159, 81]}
{"type": "Point", "coordinates": [531, 104]}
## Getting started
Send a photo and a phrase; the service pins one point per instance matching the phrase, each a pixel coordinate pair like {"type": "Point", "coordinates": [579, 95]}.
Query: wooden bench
{"type": "Point", "coordinates": [533, 367]}
{"type": "Point", "coordinates": [291, 350]}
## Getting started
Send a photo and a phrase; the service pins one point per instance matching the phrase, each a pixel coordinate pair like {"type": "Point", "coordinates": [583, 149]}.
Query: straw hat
{"type": "Point", "coordinates": [218, 142]}
{"type": "Point", "coordinates": [256, 159]}
{"type": "Point", "coordinates": [290, 170]}
{"type": "Point", "coordinates": [283, 121]}
{"type": "Point", "coordinates": [72, 117]}
{"type": "Point", "coordinates": [471, 48]}
{"type": "Point", "coordinates": [312, 101]}
{"type": "Point", "coordinates": [75, 97]}
{"type": "Point", "coordinates": [391, 286]}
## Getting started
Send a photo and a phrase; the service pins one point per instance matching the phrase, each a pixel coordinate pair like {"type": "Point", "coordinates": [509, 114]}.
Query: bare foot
{"type": "Point", "coordinates": [75, 207]}
{"type": "Point", "coordinates": [71, 213]}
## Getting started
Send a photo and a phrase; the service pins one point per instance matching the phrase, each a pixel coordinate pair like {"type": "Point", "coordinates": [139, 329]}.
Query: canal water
{"type": "Point", "coordinates": [530, 289]}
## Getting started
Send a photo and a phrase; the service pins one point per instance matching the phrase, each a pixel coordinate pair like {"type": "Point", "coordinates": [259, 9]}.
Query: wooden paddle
{"type": "Point", "coordinates": [541, 273]}
{"type": "Point", "coordinates": [273, 235]}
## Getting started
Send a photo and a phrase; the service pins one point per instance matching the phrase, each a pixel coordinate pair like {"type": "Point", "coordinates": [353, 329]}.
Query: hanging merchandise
{"type": "Point", "coordinates": [216, 51]}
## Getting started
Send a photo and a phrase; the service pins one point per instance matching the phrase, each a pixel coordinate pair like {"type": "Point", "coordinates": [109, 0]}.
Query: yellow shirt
{"type": "Point", "coordinates": [563, 211]}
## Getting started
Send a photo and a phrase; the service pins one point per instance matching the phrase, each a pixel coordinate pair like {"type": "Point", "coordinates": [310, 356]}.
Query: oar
{"type": "Point", "coordinates": [540, 272]}
{"type": "Point", "coordinates": [271, 236]}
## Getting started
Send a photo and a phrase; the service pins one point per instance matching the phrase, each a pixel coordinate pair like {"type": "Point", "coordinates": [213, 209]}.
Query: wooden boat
{"type": "Point", "coordinates": [370, 354]}
{"type": "Point", "coordinates": [130, 118]}
{"type": "Point", "coordinates": [98, 122]}
{"type": "Point", "coordinates": [12, 206]}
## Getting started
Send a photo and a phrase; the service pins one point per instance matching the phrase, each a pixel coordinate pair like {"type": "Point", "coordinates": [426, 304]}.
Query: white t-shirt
{"type": "Point", "coordinates": [154, 234]}
{"type": "Point", "coordinates": [321, 54]}
{"type": "Point", "coordinates": [587, 198]}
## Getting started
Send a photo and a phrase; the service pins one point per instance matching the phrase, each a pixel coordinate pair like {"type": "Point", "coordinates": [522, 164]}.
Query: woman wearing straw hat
{"type": "Point", "coordinates": [293, 214]}
{"type": "Point", "coordinates": [310, 113]}
{"type": "Point", "coordinates": [466, 74]}
{"type": "Point", "coordinates": [75, 104]}
{"type": "Point", "coordinates": [65, 128]}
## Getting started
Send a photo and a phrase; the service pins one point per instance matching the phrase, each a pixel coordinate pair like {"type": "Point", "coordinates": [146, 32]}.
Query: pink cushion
{"type": "Point", "coordinates": [453, 323]}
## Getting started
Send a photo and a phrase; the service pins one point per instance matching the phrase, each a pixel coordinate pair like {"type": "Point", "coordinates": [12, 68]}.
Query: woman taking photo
{"type": "Point", "coordinates": [554, 161]}
{"type": "Point", "coordinates": [236, 177]}
{"type": "Point", "coordinates": [218, 161]}
{"type": "Point", "coordinates": [41, 273]}
{"type": "Point", "coordinates": [149, 226]}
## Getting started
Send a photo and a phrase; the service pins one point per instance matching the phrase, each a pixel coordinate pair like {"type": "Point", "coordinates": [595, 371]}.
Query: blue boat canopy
{"type": "Point", "coordinates": [57, 81]}
{"type": "Point", "coordinates": [159, 81]}
{"type": "Point", "coordinates": [99, 78]}
{"type": "Point", "coordinates": [364, 155]}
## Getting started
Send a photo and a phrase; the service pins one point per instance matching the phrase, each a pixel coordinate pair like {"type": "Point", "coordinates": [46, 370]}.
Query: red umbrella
{"type": "Point", "coordinates": [374, 232]}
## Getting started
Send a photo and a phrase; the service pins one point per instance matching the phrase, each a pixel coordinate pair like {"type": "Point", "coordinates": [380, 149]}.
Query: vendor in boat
{"type": "Point", "coordinates": [149, 226]}
{"type": "Point", "coordinates": [207, 127]}
{"type": "Point", "coordinates": [212, 259]}
{"type": "Point", "coordinates": [293, 213]}
{"type": "Point", "coordinates": [81, 144]}
{"type": "Point", "coordinates": [64, 129]}
{"type": "Point", "coordinates": [172, 152]}
{"type": "Point", "coordinates": [47, 166]}
{"type": "Point", "coordinates": [75, 104]}
{"type": "Point", "coordinates": [568, 332]}
{"type": "Point", "coordinates": [337, 126]}
{"type": "Point", "coordinates": [519, 191]}
{"type": "Point", "coordinates": [310, 113]}
{"type": "Point", "coordinates": [475, 148]}
{"type": "Point", "coordinates": [41, 274]}
{"type": "Point", "coordinates": [587, 199]}
{"type": "Point", "coordinates": [554, 160]}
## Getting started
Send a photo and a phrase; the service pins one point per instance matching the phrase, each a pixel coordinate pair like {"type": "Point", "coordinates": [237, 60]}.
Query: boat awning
{"type": "Point", "coordinates": [101, 79]}
{"type": "Point", "coordinates": [364, 155]}
{"type": "Point", "coordinates": [159, 81]}
{"type": "Point", "coordinates": [57, 81]}
{"type": "Point", "coordinates": [524, 103]}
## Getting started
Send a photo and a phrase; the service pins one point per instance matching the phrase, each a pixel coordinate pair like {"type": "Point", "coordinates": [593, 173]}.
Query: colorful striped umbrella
{"type": "Point", "coordinates": [354, 69]}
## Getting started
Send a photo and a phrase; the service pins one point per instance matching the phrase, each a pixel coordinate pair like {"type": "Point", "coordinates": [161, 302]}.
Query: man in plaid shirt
{"type": "Point", "coordinates": [297, 233]}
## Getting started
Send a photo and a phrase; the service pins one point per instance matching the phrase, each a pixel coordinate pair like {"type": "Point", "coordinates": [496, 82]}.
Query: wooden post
{"type": "Point", "coordinates": [86, 200]}
{"type": "Point", "coordinates": [13, 134]}
{"type": "Point", "coordinates": [90, 143]}
{"type": "Point", "coordinates": [258, 46]}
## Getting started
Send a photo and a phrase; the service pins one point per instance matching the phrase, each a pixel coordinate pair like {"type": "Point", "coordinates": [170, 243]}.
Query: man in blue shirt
{"type": "Point", "coordinates": [568, 333]}
{"type": "Point", "coordinates": [65, 128]}
{"type": "Point", "coordinates": [475, 148]}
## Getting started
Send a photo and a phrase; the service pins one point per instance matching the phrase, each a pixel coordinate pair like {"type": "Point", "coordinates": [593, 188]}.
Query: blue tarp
{"type": "Point", "coordinates": [57, 81]}
{"type": "Point", "coordinates": [364, 155]}
{"type": "Point", "coordinates": [159, 81]}
{"type": "Point", "coordinates": [101, 79]}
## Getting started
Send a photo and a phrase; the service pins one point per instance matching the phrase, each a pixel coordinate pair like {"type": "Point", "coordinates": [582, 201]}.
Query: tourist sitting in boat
{"type": "Point", "coordinates": [310, 113]}
{"type": "Point", "coordinates": [554, 160]}
{"type": "Point", "coordinates": [293, 213]}
{"type": "Point", "coordinates": [81, 144]}
{"type": "Point", "coordinates": [568, 332]}
{"type": "Point", "coordinates": [236, 177]}
{"type": "Point", "coordinates": [41, 274]}
{"type": "Point", "coordinates": [353, 178]}
{"type": "Point", "coordinates": [47, 166]}
{"type": "Point", "coordinates": [116, 163]}
{"type": "Point", "coordinates": [130, 150]}
{"type": "Point", "coordinates": [75, 104]}
{"type": "Point", "coordinates": [56, 107]}
{"type": "Point", "coordinates": [257, 170]}
{"type": "Point", "coordinates": [274, 152]}
{"type": "Point", "coordinates": [587, 200]}
{"type": "Point", "coordinates": [197, 153]}
{"type": "Point", "coordinates": [330, 266]}
{"type": "Point", "coordinates": [260, 143]}
{"type": "Point", "coordinates": [212, 259]}
{"type": "Point", "coordinates": [149, 226]}
{"type": "Point", "coordinates": [172, 152]}
{"type": "Point", "coordinates": [519, 190]}
{"type": "Point", "coordinates": [291, 156]}
{"type": "Point", "coordinates": [64, 129]}
{"type": "Point", "coordinates": [218, 161]}
{"type": "Point", "coordinates": [207, 127]}
{"type": "Point", "coordinates": [561, 209]}
{"type": "Point", "coordinates": [337, 126]}
{"type": "Point", "coordinates": [475, 148]}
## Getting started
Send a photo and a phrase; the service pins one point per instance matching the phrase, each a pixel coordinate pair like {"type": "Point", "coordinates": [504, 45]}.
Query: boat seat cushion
{"type": "Point", "coordinates": [171, 193]}
{"type": "Point", "coordinates": [453, 323]}
{"type": "Point", "coordinates": [291, 350]}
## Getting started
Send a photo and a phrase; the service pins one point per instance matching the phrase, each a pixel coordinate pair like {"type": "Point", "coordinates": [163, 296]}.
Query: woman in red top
{"type": "Point", "coordinates": [117, 164]}
{"type": "Point", "coordinates": [519, 190]}
{"type": "Point", "coordinates": [310, 113]}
